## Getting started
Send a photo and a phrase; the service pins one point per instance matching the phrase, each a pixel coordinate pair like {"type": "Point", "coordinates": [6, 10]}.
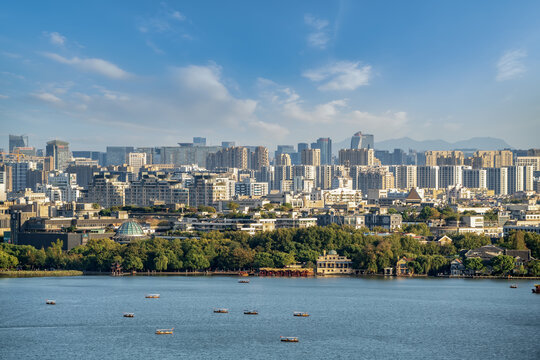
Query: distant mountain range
{"type": "Point", "coordinates": [406, 143]}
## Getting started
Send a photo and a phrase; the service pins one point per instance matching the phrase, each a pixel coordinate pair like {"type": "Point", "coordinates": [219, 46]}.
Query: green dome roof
{"type": "Point", "coordinates": [332, 252]}
{"type": "Point", "coordinates": [130, 228]}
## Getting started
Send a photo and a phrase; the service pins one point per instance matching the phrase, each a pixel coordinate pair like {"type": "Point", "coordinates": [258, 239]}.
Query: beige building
{"type": "Point", "coordinates": [440, 158]}
{"type": "Point", "coordinates": [311, 157]}
{"type": "Point", "coordinates": [351, 157]}
{"type": "Point", "coordinates": [529, 161]}
{"type": "Point", "coordinates": [333, 264]}
{"type": "Point", "coordinates": [492, 159]}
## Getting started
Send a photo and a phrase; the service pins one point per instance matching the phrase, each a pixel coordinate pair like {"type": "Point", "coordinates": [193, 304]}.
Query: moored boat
{"type": "Point", "coordinates": [243, 281]}
{"type": "Point", "coordinates": [536, 289]}
{"type": "Point", "coordinates": [50, 302]}
{"type": "Point", "coordinates": [129, 315]}
{"type": "Point", "coordinates": [164, 331]}
{"type": "Point", "coordinates": [300, 314]}
{"type": "Point", "coordinates": [221, 311]}
{"type": "Point", "coordinates": [513, 286]}
{"type": "Point", "coordinates": [152, 296]}
{"type": "Point", "coordinates": [251, 312]}
{"type": "Point", "coordinates": [288, 339]}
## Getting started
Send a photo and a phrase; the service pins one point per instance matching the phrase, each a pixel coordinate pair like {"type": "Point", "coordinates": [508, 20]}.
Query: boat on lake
{"type": "Point", "coordinates": [513, 286]}
{"type": "Point", "coordinates": [221, 311]}
{"type": "Point", "coordinates": [300, 314]}
{"type": "Point", "coordinates": [130, 315]}
{"type": "Point", "coordinates": [152, 296]}
{"type": "Point", "coordinates": [243, 281]}
{"type": "Point", "coordinates": [288, 339]}
{"type": "Point", "coordinates": [536, 289]}
{"type": "Point", "coordinates": [50, 302]}
{"type": "Point", "coordinates": [251, 312]}
{"type": "Point", "coordinates": [164, 331]}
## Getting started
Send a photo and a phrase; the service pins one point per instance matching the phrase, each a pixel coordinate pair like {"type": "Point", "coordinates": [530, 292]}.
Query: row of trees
{"type": "Point", "coordinates": [238, 250]}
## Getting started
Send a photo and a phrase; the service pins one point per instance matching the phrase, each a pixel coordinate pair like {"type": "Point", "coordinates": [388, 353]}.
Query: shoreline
{"type": "Point", "coordinates": [40, 273]}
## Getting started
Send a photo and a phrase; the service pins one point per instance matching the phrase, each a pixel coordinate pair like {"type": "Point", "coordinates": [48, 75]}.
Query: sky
{"type": "Point", "coordinates": [150, 73]}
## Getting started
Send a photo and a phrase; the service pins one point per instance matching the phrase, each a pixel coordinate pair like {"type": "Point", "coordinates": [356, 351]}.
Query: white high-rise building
{"type": "Point", "coordinates": [475, 178]}
{"type": "Point", "coordinates": [406, 176]}
{"type": "Point", "coordinates": [427, 177]}
{"type": "Point", "coordinates": [136, 161]}
{"type": "Point", "coordinates": [497, 180]}
{"type": "Point", "coordinates": [450, 175]}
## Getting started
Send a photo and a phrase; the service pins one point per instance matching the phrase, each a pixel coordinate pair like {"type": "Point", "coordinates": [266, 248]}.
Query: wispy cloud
{"type": "Point", "coordinates": [55, 38]}
{"type": "Point", "coordinates": [11, 55]}
{"type": "Point", "coordinates": [154, 47]}
{"type": "Point", "coordinates": [342, 75]}
{"type": "Point", "coordinates": [163, 21]}
{"type": "Point", "coordinates": [98, 66]}
{"type": "Point", "coordinates": [47, 97]}
{"type": "Point", "coordinates": [319, 35]}
{"type": "Point", "coordinates": [4, 96]}
{"type": "Point", "coordinates": [510, 65]}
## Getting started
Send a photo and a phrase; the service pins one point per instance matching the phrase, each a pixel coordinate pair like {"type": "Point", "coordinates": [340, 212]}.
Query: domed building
{"type": "Point", "coordinates": [129, 231]}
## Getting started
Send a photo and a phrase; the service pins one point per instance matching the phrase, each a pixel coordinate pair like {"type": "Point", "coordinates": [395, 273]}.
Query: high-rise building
{"type": "Point", "coordinates": [406, 176]}
{"type": "Point", "coordinates": [234, 157]}
{"type": "Point", "coordinates": [283, 159]}
{"type": "Point", "coordinates": [311, 157]}
{"type": "Point", "coordinates": [450, 175]}
{"type": "Point", "coordinates": [59, 151]}
{"type": "Point", "coordinates": [362, 141]}
{"type": "Point", "coordinates": [427, 177]}
{"type": "Point", "coordinates": [441, 158]}
{"type": "Point", "coordinates": [365, 178]}
{"type": "Point", "coordinates": [106, 190]}
{"type": "Point", "coordinates": [533, 161]}
{"type": "Point", "coordinates": [350, 157]}
{"type": "Point", "coordinates": [199, 141]}
{"type": "Point", "coordinates": [260, 158]}
{"type": "Point", "coordinates": [494, 158]}
{"type": "Point", "coordinates": [228, 144]}
{"type": "Point", "coordinates": [136, 161]}
{"type": "Point", "coordinates": [475, 178]}
{"type": "Point", "coordinates": [209, 190]}
{"type": "Point", "coordinates": [20, 141]}
{"type": "Point", "coordinates": [497, 180]}
{"type": "Point", "coordinates": [325, 146]}
{"type": "Point", "coordinates": [118, 155]}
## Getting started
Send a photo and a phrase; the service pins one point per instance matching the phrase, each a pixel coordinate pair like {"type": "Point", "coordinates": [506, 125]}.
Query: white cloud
{"type": "Point", "coordinates": [47, 97]}
{"type": "Point", "coordinates": [319, 36]}
{"type": "Point", "coordinates": [510, 65]}
{"type": "Point", "coordinates": [163, 21]}
{"type": "Point", "coordinates": [55, 38]}
{"type": "Point", "coordinates": [4, 96]}
{"type": "Point", "coordinates": [98, 66]}
{"type": "Point", "coordinates": [342, 75]}
{"type": "Point", "coordinates": [154, 47]}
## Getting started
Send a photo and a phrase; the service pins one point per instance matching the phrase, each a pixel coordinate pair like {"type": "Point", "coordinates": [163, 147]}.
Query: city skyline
{"type": "Point", "coordinates": [152, 74]}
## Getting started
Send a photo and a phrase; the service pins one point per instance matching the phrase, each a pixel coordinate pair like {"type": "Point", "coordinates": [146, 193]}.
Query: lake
{"type": "Point", "coordinates": [351, 318]}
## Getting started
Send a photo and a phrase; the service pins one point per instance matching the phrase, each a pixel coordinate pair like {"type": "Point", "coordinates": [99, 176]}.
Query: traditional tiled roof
{"type": "Point", "coordinates": [485, 252]}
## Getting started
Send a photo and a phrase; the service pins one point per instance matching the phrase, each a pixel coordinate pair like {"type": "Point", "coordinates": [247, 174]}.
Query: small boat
{"type": "Point", "coordinates": [243, 281]}
{"type": "Point", "coordinates": [221, 311]}
{"type": "Point", "coordinates": [164, 331]}
{"type": "Point", "coordinates": [513, 286]}
{"type": "Point", "coordinates": [152, 296]}
{"type": "Point", "coordinates": [243, 273]}
{"type": "Point", "coordinates": [251, 312]}
{"type": "Point", "coordinates": [288, 339]}
{"type": "Point", "coordinates": [300, 314]}
{"type": "Point", "coordinates": [536, 289]}
{"type": "Point", "coordinates": [50, 302]}
{"type": "Point", "coordinates": [130, 315]}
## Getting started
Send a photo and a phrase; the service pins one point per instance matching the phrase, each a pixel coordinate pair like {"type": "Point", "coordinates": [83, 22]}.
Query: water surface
{"type": "Point", "coordinates": [351, 318]}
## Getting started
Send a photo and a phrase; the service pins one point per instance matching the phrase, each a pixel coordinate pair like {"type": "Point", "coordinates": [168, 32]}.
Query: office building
{"type": "Point", "coordinates": [362, 141]}
{"type": "Point", "coordinates": [325, 146]}
{"type": "Point", "coordinates": [228, 144]}
{"type": "Point", "coordinates": [59, 151]}
{"type": "Point", "coordinates": [17, 141]}
{"type": "Point", "coordinates": [118, 155]}
{"type": "Point", "coordinates": [199, 141]}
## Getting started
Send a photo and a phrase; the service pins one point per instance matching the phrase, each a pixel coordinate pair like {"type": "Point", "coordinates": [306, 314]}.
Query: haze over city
{"type": "Point", "coordinates": [158, 73]}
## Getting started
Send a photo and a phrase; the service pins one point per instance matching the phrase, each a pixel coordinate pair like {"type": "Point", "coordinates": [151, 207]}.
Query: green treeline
{"type": "Point", "coordinates": [238, 250]}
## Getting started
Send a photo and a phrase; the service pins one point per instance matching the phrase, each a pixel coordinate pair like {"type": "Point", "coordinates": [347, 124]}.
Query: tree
{"type": "Point", "coordinates": [233, 206]}
{"type": "Point", "coordinates": [7, 261]}
{"type": "Point", "coordinates": [262, 260]}
{"type": "Point", "coordinates": [502, 264]}
{"type": "Point", "coordinates": [534, 268]}
{"type": "Point", "coordinates": [161, 262]}
{"type": "Point", "coordinates": [133, 262]}
{"type": "Point", "coordinates": [95, 206]}
{"type": "Point", "coordinates": [268, 206]}
{"type": "Point", "coordinates": [474, 263]}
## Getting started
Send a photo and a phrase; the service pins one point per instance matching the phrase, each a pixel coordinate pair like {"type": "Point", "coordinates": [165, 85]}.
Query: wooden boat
{"type": "Point", "coordinates": [130, 315]}
{"type": "Point", "coordinates": [513, 286]}
{"type": "Point", "coordinates": [243, 281]}
{"type": "Point", "coordinates": [536, 289]}
{"type": "Point", "coordinates": [288, 339]}
{"type": "Point", "coordinates": [300, 314]}
{"type": "Point", "coordinates": [251, 312]}
{"type": "Point", "coordinates": [50, 302]}
{"type": "Point", "coordinates": [164, 331]}
{"type": "Point", "coordinates": [221, 311]}
{"type": "Point", "coordinates": [152, 296]}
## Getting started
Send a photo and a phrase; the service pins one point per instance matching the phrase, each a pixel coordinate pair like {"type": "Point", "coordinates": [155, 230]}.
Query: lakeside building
{"type": "Point", "coordinates": [333, 264]}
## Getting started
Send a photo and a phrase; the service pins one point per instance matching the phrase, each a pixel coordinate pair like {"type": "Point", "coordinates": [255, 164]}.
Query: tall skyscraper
{"type": "Point", "coordinates": [17, 141]}
{"type": "Point", "coordinates": [59, 151]}
{"type": "Point", "coordinates": [362, 141]}
{"type": "Point", "coordinates": [260, 158]}
{"type": "Point", "coordinates": [325, 145]}
{"type": "Point", "coordinates": [311, 157]}
{"type": "Point", "coordinates": [118, 155]}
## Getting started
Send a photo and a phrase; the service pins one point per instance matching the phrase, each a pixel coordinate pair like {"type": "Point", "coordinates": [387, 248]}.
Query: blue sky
{"type": "Point", "coordinates": [149, 73]}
